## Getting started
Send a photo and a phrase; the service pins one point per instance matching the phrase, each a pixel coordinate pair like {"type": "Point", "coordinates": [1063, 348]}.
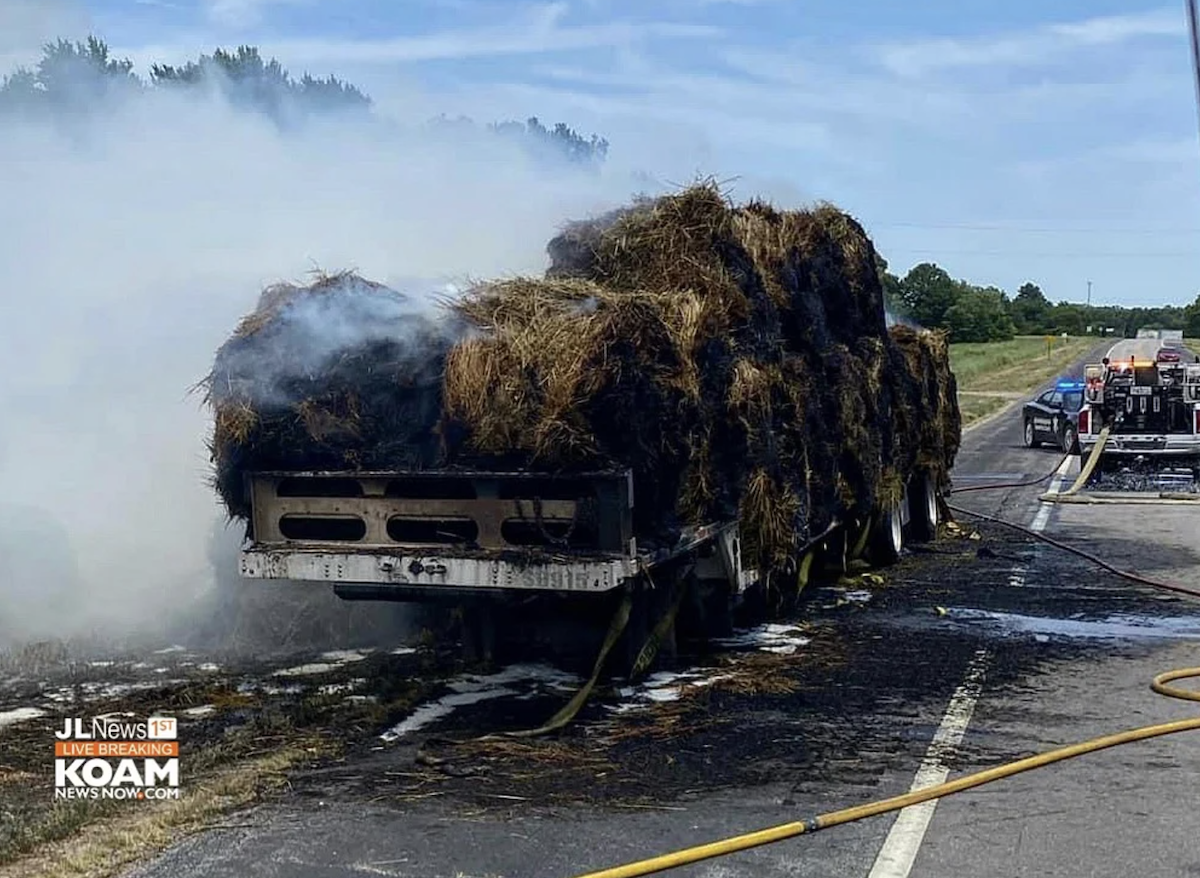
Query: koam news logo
{"type": "Point", "coordinates": [114, 758]}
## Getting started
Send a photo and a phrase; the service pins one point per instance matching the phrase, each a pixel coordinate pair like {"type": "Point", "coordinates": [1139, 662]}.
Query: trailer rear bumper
{"type": "Point", "coordinates": [431, 572]}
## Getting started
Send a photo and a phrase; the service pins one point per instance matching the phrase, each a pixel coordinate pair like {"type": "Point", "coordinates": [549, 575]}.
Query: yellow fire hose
{"type": "Point", "coordinates": [1160, 684]}
{"type": "Point", "coordinates": [896, 803]}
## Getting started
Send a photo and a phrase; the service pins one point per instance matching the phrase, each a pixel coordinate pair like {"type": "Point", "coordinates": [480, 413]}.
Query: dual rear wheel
{"type": "Point", "coordinates": [889, 532]}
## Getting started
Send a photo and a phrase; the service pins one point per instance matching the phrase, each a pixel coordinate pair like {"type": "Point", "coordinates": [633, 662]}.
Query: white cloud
{"type": "Point", "coordinates": [539, 33]}
{"type": "Point", "coordinates": [243, 13]}
{"type": "Point", "coordinates": [1030, 48]}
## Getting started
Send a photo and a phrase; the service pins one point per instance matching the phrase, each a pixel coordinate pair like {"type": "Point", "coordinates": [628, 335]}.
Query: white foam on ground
{"type": "Point", "coordinates": [443, 707]}
{"type": "Point", "coordinates": [19, 715]}
{"type": "Point", "coordinates": [98, 691]}
{"type": "Point", "coordinates": [1116, 627]}
{"type": "Point", "coordinates": [170, 649]}
{"type": "Point", "coordinates": [329, 661]}
{"type": "Point", "coordinates": [404, 650]}
{"type": "Point", "coordinates": [772, 637]}
{"type": "Point", "coordinates": [345, 656]}
{"type": "Point", "coordinates": [663, 687]}
{"type": "Point", "coordinates": [208, 667]}
{"type": "Point", "coordinates": [473, 689]}
{"type": "Point", "coordinates": [339, 688]}
{"type": "Point", "coordinates": [201, 711]}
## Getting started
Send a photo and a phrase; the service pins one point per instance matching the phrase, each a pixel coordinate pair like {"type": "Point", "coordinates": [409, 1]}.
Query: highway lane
{"type": "Point", "coordinates": [1054, 645]}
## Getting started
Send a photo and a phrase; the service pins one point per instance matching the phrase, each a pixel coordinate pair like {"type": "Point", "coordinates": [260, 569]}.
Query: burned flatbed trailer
{"type": "Point", "coordinates": [733, 363]}
{"type": "Point", "coordinates": [422, 536]}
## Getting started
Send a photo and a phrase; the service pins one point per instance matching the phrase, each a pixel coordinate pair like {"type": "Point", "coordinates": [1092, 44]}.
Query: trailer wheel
{"type": "Point", "coordinates": [1030, 437]}
{"type": "Point", "coordinates": [887, 539]}
{"type": "Point", "coordinates": [923, 506]}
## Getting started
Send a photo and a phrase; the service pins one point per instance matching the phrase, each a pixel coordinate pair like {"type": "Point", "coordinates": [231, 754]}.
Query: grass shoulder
{"type": "Point", "coordinates": [992, 374]}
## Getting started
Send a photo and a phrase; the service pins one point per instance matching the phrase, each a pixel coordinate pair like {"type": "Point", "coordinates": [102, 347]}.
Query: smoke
{"type": "Point", "coordinates": [25, 25]}
{"type": "Point", "coordinates": [342, 314]}
{"type": "Point", "coordinates": [894, 319]}
{"type": "Point", "coordinates": [130, 249]}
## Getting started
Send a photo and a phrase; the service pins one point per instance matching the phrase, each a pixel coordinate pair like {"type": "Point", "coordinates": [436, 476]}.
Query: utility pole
{"type": "Point", "coordinates": [1089, 294]}
{"type": "Point", "coordinates": [1194, 28]}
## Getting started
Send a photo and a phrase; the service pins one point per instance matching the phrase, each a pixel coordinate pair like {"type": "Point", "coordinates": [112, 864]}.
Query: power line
{"type": "Point", "coordinates": [1194, 29]}
{"type": "Point", "coordinates": [1057, 254]}
{"type": "Point", "coordinates": [974, 227]}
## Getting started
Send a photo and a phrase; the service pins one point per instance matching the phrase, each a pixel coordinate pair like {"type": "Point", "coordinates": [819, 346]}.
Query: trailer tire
{"type": "Point", "coordinates": [923, 507]}
{"type": "Point", "coordinates": [887, 537]}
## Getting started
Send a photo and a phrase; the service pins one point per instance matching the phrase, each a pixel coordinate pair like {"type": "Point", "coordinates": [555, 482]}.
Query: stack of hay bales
{"type": "Point", "coordinates": [341, 374]}
{"type": "Point", "coordinates": [735, 358]}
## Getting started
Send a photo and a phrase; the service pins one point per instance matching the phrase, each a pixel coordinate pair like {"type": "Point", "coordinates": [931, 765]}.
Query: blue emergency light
{"type": "Point", "coordinates": [1069, 385]}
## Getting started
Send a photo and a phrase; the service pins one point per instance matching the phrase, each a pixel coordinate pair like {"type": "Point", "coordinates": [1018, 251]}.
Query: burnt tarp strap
{"type": "Point", "coordinates": [616, 628]}
{"type": "Point", "coordinates": [650, 648]}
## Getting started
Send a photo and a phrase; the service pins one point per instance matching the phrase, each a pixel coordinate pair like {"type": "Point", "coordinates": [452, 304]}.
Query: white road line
{"type": "Point", "coordinates": [1043, 514]}
{"type": "Point", "coordinates": [899, 851]}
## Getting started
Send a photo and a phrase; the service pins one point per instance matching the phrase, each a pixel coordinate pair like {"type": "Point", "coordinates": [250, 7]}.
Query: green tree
{"type": "Point", "coordinates": [1030, 309]}
{"type": "Point", "coordinates": [71, 78]}
{"type": "Point", "coordinates": [77, 78]}
{"type": "Point", "coordinates": [248, 81]}
{"type": "Point", "coordinates": [560, 142]}
{"type": "Point", "coordinates": [926, 293]}
{"type": "Point", "coordinates": [1191, 319]}
{"type": "Point", "coordinates": [979, 314]}
{"type": "Point", "coordinates": [1067, 317]}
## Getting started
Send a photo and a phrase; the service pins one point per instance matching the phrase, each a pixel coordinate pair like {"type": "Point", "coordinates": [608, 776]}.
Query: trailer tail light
{"type": "Point", "coordinates": [1196, 421]}
{"type": "Point", "coordinates": [1085, 421]}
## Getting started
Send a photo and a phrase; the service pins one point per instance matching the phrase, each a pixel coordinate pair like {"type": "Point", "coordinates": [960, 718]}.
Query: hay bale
{"type": "Point", "coordinates": [343, 373]}
{"type": "Point", "coordinates": [736, 359]}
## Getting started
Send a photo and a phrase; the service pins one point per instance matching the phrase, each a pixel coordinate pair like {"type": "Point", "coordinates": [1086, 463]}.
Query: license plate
{"type": "Point", "coordinates": [1141, 391]}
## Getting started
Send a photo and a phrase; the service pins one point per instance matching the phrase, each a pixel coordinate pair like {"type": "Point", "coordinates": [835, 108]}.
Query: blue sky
{"type": "Point", "coordinates": [1004, 141]}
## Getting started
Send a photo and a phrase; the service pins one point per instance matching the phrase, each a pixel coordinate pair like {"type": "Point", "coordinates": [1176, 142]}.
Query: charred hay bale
{"type": "Point", "coordinates": [928, 421]}
{"type": "Point", "coordinates": [819, 267]}
{"type": "Point", "coordinates": [568, 375]}
{"type": "Point", "coordinates": [795, 402]}
{"type": "Point", "coordinates": [810, 274]}
{"type": "Point", "coordinates": [344, 373]}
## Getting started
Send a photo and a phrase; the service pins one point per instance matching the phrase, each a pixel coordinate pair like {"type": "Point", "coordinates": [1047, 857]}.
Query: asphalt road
{"type": "Point", "coordinates": [1051, 650]}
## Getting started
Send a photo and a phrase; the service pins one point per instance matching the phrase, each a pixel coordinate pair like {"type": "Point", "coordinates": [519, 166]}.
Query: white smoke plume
{"type": "Point", "coordinates": [894, 319]}
{"type": "Point", "coordinates": [131, 248]}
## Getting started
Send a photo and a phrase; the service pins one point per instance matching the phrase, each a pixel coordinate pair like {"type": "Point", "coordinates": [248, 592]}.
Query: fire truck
{"type": "Point", "coordinates": [1151, 406]}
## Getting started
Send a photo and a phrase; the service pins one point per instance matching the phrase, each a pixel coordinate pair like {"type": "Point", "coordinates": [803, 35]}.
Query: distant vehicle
{"type": "Point", "coordinates": [1167, 355]}
{"type": "Point", "coordinates": [1053, 417]}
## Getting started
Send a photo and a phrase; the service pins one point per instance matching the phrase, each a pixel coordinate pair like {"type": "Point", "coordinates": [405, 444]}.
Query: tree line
{"type": "Point", "coordinates": [75, 80]}
{"type": "Point", "coordinates": [927, 295]}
